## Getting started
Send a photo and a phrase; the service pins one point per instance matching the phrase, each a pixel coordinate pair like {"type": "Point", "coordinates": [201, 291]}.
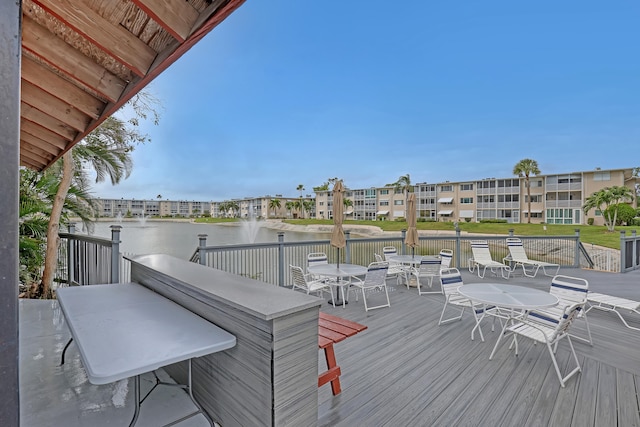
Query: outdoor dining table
{"type": "Point", "coordinates": [338, 271]}
{"type": "Point", "coordinates": [516, 299]}
{"type": "Point", "coordinates": [412, 261]}
{"type": "Point", "coordinates": [124, 330]}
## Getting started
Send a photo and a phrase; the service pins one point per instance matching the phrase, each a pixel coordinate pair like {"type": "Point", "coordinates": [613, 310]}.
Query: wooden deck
{"type": "Point", "coordinates": [406, 370]}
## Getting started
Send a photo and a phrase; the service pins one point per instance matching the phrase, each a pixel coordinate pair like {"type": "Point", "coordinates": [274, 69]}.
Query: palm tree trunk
{"type": "Point", "coordinates": [51, 254]}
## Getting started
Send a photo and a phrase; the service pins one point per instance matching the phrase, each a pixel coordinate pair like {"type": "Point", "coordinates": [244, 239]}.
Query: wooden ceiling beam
{"type": "Point", "coordinates": [114, 40]}
{"type": "Point", "coordinates": [54, 107]}
{"type": "Point", "coordinates": [51, 140]}
{"type": "Point", "coordinates": [177, 18]}
{"type": "Point", "coordinates": [25, 161]}
{"type": "Point", "coordinates": [48, 81]}
{"type": "Point", "coordinates": [34, 152]}
{"type": "Point", "coordinates": [48, 122]}
{"type": "Point", "coordinates": [44, 148]}
{"type": "Point", "coordinates": [54, 51]}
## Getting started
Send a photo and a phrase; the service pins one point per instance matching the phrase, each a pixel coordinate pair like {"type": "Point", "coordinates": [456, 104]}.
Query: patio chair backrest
{"type": "Point", "coordinates": [569, 290]}
{"type": "Point", "coordinates": [446, 255]}
{"type": "Point", "coordinates": [378, 257]}
{"type": "Point", "coordinates": [299, 279]}
{"type": "Point", "coordinates": [516, 249]}
{"type": "Point", "coordinates": [376, 274]}
{"type": "Point", "coordinates": [429, 266]}
{"type": "Point", "coordinates": [480, 250]}
{"type": "Point", "coordinates": [450, 279]}
{"type": "Point", "coordinates": [316, 258]}
{"type": "Point", "coordinates": [389, 251]}
{"type": "Point", "coordinates": [560, 323]}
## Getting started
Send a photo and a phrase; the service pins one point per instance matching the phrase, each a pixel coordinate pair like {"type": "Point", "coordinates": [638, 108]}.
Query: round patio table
{"type": "Point", "coordinates": [508, 296]}
{"type": "Point", "coordinates": [338, 271]}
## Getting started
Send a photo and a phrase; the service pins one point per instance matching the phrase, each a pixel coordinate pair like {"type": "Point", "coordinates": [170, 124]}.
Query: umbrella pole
{"type": "Point", "coordinates": [338, 257]}
{"type": "Point", "coordinates": [413, 251]}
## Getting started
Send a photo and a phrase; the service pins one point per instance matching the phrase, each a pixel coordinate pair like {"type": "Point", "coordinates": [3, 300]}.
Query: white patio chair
{"type": "Point", "coordinates": [374, 281]}
{"type": "Point", "coordinates": [315, 258]}
{"type": "Point", "coordinates": [425, 274]}
{"type": "Point", "coordinates": [614, 304]}
{"type": "Point", "coordinates": [388, 252]}
{"type": "Point", "coordinates": [395, 269]}
{"type": "Point", "coordinates": [482, 260]}
{"type": "Point", "coordinates": [451, 280]}
{"type": "Point", "coordinates": [306, 283]}
{"type": "Point", "coordinates": [545, 329]}
{"type": "Point", "coordinates": [446, 256]}
{"type": "Point", "coordinates": [570, 290]}
{"type": "Point", "coordinates": [518, 257]}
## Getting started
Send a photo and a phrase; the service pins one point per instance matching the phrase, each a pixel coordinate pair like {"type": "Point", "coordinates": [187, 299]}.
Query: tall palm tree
{"type": "Point", "coordinates": [234, 207]}
{"type": "Point", "coordinates": [300, 188]}
{"type": "Point", "coordinates": [274, 204]}
{"type": "Point", "coordinates": [527, 167]}
{"type": "Point", "coordinates": [347, 203]}
{"type": "Point", "coordinates": [308, 206]}
{"type": "Point", "coordinates": [289, 206]}
{"type": "Point", "coordinates": [403, 185]}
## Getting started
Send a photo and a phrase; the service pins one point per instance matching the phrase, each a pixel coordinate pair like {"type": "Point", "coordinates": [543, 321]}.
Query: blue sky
{"type": "Point", "coordinates": [294, 92]}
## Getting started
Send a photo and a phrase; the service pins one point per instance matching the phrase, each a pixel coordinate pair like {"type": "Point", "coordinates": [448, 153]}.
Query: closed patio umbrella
{"type": "Point", "coordinates": [412, 233]}
{"type": "Point", "coordinates": [337, 234]}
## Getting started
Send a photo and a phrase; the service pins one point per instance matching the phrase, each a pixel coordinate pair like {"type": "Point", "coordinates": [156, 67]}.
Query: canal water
{"type": "Point", "coordinates": [180, 239]}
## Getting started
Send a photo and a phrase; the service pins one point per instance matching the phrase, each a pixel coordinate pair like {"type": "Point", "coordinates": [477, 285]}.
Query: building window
{"type": "Point", "coordinates": [398, 202]}
{"type": "Point", "coordinates": [533, 215]}
{"type": "Point", "coordinates": [466, 200]}
{"type": "Point", "coordinates": [384, 203]}
{"type": "Point", "coordinates": [446, 188]}
{"type": "Point", "coordinates": [466, 187]}
{"type": "Point", "coordinates": [535, 198]}
{"type": "Point", "coordinates": [384, 191]}
{"type": "Point", "coordinates": [602, 176]}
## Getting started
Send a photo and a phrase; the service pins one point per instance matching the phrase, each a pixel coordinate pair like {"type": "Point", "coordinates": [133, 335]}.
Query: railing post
{"type": "Point", "coordinates": [576, 260]}
{"type": "Point", "coordinates": [347, 249]}
{"type": "Point", "coordinates": [70, 255]}
{"type": "Point", "coordinates": [458, 247]}
{"type": "Point", "coordinates": [404, 246]}
{"type": "Point", "coordinates": [634, 253]}
{"type": "Point", "coordinates": [280, 258]}
{"type": "Point", "coordinates": [115, 253]}
{"type": "Point", "coordinates": [623, 250]}
{"type": "Point", "coordinates": [202, 243]}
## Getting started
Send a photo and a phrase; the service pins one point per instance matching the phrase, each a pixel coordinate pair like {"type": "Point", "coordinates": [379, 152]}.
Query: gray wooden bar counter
{"type": "Point", "coordinates": [270, 378]}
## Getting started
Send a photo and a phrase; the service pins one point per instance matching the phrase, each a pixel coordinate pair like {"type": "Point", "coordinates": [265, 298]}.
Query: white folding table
{"type": "Point", "coordinates": [125, 330]}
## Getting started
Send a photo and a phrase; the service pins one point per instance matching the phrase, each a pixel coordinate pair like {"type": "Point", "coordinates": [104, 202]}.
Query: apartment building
{"type": "Point", "coordinates": [114, 208]}
{"type": "Point", "coordinates": [555, 199]}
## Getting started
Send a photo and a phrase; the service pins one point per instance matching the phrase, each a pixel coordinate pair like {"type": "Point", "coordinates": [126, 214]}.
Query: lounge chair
{"type": "Point", "coordinates": [615, 304]}
{"type": "Point", "coordinates": [482, 260]}
{"type": "Point", "coordinates": [518, 257]}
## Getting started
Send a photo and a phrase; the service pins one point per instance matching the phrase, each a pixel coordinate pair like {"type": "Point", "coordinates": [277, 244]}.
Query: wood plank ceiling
{"type": "Point", "coordinates": [83, 59]}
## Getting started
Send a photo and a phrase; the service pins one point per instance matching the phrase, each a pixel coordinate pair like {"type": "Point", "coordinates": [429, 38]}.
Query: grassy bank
{"type": "Point", "coordinates": [589, 234]}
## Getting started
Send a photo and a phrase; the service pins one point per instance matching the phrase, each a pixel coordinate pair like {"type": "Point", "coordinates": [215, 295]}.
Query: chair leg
{"type": "Point", "coordinates": [442, 322]}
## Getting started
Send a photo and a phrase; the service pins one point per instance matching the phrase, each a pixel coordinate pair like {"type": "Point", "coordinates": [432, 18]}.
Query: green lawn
{"type": "Point", "coordinates": [591, 234]}
{"type": "Point", "coordinates": [597, 235]}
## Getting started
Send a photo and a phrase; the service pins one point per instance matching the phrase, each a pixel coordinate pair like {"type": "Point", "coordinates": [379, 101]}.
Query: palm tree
{"type": "Point", "coordinates": [300, 188]}
{"type": "Point", "coordinates": [607, 197]}
{"type": "Point", "coordinates": [347, 204]}
{"type": "Point", "coordinates": [526, 167]}
{"type": "Point", "coordinates": [289, 206]}
{"type": "Point", "coordinates": [275, 205]}
{"type": "Point", "coordinates": [235, 207]}
{"type": "Point", "coordinates": [403, 185]}
{"type": "Point", "coordinates": [159, 196]}
{"type": "Point", "coordinates": [308, 206]}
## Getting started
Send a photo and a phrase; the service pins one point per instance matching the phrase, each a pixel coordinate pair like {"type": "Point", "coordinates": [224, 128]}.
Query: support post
{"type": "Point", "coordinates": [403, 245]}
{"type": "Point", "coordinates": [202, 243]}
{"type": "Point", "coordinates": [623, 251]}
{"type": "Point", "coordinates": [10, 57]}
{"type": "Point", "coordinates": [71, 266]}
{"type": "Point", "coordinates": [281, 258]}
{"type": "Point", "coordinates": [115, 253]}
{"type": "Point", "coordinates": [458, 245]}
{"type": "Point", "coordinates": [347, 236]}
{"type": "Point", "coordinates": [576, 260]}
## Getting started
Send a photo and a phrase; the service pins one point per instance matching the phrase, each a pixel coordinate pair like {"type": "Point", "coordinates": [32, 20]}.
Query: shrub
{"type": "Point", "coordinates": [626, 213]}
{"type": "Point", "coordinates": [590, 221]}
{"type": "Point", "coordinates": [493, 221]}
{"type": "Point", "coordinates": [467, 220]}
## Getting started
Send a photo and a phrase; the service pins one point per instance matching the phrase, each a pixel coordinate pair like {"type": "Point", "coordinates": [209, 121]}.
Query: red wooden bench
{"type": "Point", "coordinates": [333, 329]}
